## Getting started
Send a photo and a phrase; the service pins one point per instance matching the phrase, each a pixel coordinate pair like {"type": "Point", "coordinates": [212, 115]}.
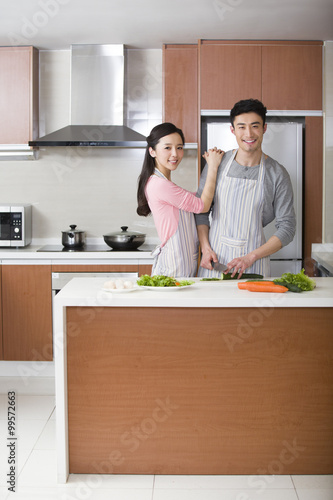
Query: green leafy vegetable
{"type": "Point", "coordinates": [160, 280]}
{"type": "Point", "coordinates": [300, 280]}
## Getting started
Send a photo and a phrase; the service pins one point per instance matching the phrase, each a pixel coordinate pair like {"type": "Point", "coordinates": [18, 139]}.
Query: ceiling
{"type": "Point", "coordinates": [57, 24]}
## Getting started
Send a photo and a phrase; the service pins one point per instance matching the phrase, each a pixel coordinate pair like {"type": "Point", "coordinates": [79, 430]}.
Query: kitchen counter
{"type": "Point", "coordinates": [205, 380]}
{"type": "Point", "coordinates": [33, 254]}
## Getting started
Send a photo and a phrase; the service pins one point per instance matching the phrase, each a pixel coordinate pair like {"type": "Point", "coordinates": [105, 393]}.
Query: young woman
{"type": "Point", "coordinates": [171, 206]}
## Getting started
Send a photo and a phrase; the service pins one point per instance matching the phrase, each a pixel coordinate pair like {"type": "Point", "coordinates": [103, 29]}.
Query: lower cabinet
{"type": "Point", "coordinates": [26, 313]}
{"type": "Point", "coordinates": [26, 306]}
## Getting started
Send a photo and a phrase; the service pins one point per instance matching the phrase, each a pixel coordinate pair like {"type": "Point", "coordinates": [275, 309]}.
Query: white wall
{"type": "Point", "coordinates": [94, 188]}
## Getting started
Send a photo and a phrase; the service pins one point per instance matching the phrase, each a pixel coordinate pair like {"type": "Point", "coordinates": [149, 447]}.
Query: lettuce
{"type": "Point", "coordinates": [301, 280]}
{"type": "Point", "coordinates": [160, 280]}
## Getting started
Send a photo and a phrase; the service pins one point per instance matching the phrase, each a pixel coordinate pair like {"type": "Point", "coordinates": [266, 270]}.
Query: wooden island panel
{"type": "Point", "coordinates": [157, 390]}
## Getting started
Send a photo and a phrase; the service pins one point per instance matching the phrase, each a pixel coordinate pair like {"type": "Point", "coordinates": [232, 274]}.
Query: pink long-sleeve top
{"type": "Point", "coordinates": [165, 199]}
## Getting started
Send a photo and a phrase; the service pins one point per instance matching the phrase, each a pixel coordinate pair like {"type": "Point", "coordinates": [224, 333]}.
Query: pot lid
{"type": "Point", "coordinates": [72, 229]}
{"type": "Point", "coordinates": [124, 232]}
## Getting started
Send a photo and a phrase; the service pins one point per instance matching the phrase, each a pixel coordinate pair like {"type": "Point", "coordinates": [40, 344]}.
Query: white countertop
{"type": "Point", "coordinates": [88, 292]}
{"type": "Point", "coordinates": [32, 255]}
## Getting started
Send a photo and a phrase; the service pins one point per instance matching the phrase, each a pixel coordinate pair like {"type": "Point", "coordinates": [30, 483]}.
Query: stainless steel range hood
{"type": "Point", "coordinates": [97, 101]}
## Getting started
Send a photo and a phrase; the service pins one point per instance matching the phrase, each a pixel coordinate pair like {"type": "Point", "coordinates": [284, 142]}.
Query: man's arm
{"type": "Point", "coordinates": [207, 253]}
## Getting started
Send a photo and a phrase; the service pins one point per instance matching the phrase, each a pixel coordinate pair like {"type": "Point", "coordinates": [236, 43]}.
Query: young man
{"type": "Point", "coordinates": [252, 189]}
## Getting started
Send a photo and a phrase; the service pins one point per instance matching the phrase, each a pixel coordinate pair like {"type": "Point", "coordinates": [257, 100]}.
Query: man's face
{"type": "Point", "coordinates": [249, 131]}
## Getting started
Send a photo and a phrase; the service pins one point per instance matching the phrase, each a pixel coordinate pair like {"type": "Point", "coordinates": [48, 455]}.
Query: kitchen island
{"type": "Point", "coordinates": [207, 379]}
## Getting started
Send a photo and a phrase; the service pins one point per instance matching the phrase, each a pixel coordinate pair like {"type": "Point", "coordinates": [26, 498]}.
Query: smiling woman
{"type": "Point", "coordinates": [172, 206]}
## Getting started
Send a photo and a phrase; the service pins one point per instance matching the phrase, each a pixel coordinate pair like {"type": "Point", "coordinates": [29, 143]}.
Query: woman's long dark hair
{"type": "Point", "coordinates": [148, 166]}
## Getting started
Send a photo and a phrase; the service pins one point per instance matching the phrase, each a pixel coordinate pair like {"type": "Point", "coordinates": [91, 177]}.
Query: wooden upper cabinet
{"type": "Point", "coordinates": [180, 88]}
{"type": "Point", "coordinates": [292, 77]}
{"type": "Point", "coordinates": [18, 94]}
{"type": "Point", "coordinates": [284, 75]}
{"type": "Point", "coordinates": [228, 73]}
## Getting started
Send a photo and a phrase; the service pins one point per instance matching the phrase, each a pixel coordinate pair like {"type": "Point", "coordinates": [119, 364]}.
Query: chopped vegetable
{"type": "Point", "coordinates": [256, 286]}
{"type": "Point", "coordinates": [211, 279]}
{"type": "Point", "coordinates": [228, 277]}
{"type": "Point", "coordinates": [243, 277]}
{"type": "Point", "coordinates": [301, 280]}
{"type": "Point", "coordinates": [291, 286]}
{"type": "Point", "coordinates": [160, 280]}
{"type": "Point", "coordinates": [262, 282]}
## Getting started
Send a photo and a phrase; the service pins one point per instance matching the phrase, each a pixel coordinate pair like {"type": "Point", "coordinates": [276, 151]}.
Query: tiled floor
{"type": "Point", "coordinates": [36, 457]}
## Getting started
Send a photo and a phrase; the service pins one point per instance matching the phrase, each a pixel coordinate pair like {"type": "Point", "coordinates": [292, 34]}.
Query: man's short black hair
{"type": "Point", "coordinates": [248, 106]}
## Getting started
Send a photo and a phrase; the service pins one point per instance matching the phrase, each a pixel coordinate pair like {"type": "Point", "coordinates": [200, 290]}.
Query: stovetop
{"type": "Point", "coordinates": [92, 248]}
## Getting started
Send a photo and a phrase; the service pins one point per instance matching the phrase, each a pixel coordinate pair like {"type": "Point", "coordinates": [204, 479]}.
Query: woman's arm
{"type": "Point", "coordinates": [213, 158]}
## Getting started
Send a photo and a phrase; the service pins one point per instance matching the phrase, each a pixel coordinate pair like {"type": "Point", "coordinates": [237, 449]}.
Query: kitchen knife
{"type": "Point", "coordinates": [219, 267]}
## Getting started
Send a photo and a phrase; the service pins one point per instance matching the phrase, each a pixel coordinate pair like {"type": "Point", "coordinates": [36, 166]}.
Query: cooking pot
{"type": "Point", "coordinates": [73, 238]}
{"type": "Point", "coordinates": [124, 240]}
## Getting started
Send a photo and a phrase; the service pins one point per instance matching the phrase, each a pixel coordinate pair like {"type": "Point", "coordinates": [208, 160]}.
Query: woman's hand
{"type": "Point", "coordinates": [213, 157]}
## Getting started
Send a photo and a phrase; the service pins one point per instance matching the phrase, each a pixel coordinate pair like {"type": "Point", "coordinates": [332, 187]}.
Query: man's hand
{"type": "Point", "coordinates": [207, 257]}
{"type": "Point", "coordinates": [240, 264]}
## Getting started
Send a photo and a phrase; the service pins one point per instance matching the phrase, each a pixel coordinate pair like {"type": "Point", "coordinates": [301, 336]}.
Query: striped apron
{"type": "Point", "coordinates": [236, 226]}
{"type": "Point", "coordinates": [179, 256]}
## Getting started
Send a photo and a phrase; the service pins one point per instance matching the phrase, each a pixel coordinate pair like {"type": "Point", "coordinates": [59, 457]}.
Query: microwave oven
{"type": "Point", "coordinates": [15, 225]}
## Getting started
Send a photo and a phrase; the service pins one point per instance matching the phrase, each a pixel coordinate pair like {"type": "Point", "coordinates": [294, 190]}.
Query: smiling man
{"type": "Point", "coordinates": [252, 189]}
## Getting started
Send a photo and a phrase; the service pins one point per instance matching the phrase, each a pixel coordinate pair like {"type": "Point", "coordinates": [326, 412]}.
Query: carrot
{"type": "Point", "coordinates": [243, 285]}
{"type": "Point", "coordinates": [266, 286]}
{"type": "Point", "coordinates": [262, 282]}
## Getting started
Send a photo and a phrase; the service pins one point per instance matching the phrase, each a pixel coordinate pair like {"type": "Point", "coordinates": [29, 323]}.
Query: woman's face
{"type": "Point", "coordinates": [168, 153]}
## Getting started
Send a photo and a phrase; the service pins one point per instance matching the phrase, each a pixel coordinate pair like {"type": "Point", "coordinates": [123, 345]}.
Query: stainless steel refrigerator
{"type": "Point", "coordinates": [283, 142]}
